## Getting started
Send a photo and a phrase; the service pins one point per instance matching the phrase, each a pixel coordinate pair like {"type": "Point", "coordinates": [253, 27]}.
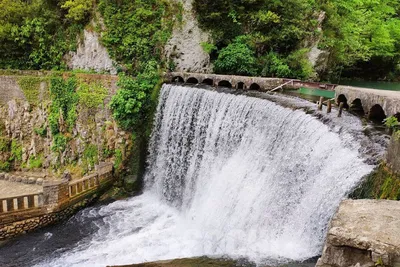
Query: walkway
{"type": "Point", "coordinates": [13, 189]}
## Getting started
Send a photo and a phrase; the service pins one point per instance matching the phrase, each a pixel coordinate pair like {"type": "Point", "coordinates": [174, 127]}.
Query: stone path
{"type": "Point", "coordinates": [12, 189]}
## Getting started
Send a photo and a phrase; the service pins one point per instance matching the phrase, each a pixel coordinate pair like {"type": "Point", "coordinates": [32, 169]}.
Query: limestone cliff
{"type": "Point", "coordinates": [184, 48]}
{"type": "Point", "coordinates": [90, 55]}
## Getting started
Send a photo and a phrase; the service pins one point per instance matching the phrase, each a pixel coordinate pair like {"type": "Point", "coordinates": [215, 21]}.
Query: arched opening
{"type": "Point", "coordinates": [208, 82]}
{"type": "Point", "coordinates": [178, 79]}
{"type": "Point", "coordinates": [343, 99]}
{"type": "Point", "coordinates": [356, 107]}
{"type": "Point", "coordinates": [255, 87]}
{"type": "Point", "coordinates": [225, 84]}
{"type": "Point", "coordinates": [240, 85]}
{"type": "Point", "coordinates": [192, 80]}
{"type": "Point", "coordinates": [377, 114]}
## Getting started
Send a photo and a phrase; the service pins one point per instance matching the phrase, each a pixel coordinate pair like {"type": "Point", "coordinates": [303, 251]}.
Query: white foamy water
{"type": "Point", "coordinates": [228, 175]}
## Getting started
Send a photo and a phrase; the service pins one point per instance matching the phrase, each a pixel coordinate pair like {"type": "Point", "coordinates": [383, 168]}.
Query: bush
{"type": "Point", "coordinates": [237, 58]}
{"type": "Point", "coordinates": [300, 65]}
{"type": "Point", "coordinates": [274, 66]}
{"type": "Point", "coordinates": [78, 9]}
{"type": "Point", "coordinates": [133, 99]}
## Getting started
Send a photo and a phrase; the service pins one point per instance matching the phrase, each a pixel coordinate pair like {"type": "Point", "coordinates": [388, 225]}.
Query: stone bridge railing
{"type": "Point", "coordinates": [58, 200]}
{"type": "Point", "coordinates": [230, 81]}
{"type": "Point", "coordinates": [18, 203]}
{"type": "Point", "coordinates": [375, 104]}
{"type": "Point", "coordinates": [243, 82]}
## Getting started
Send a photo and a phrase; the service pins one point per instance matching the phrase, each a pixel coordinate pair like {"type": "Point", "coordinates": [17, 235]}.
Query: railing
{"type": "Point", "coordinates": [19, 203]}
{"type": "Point", "coordinates": [85, 184]}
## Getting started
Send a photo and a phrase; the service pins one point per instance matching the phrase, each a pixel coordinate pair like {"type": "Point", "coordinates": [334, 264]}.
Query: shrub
{"type": "Point", "coordinates": [237, 58]}
{"type": "Point", "coordinates": [133, 99]}
{"type": "Point", "coordinates": [274, 66]}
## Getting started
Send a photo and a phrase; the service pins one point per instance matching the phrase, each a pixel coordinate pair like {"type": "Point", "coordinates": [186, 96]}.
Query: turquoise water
{"type": "Point", "coordinates": [390, 86]}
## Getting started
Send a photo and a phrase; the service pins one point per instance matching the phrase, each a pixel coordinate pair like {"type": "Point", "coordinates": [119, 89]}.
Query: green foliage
{"type": "Point", "coordinates": [30, 85]}
{"type": "Point", "coordinates": [208, 48]}
{"type": "Point", "coordinates": [4, 144]}
{"type": "Point", "coordinates": [274, 66]}
{"type": "Point", "coordinates": [16, 151]}
{"type": "Point", "coordinates": [5, 166]}
{"type": "Point", "coordinates": [132, 101]}
{"type": "Point", "coordinates": [391, 122]}
{"type": "Point", "coordinates": [35, 162]}
{"type": "Point", "coordinates": [35, 34]}
{"type": "Point", "coordinates": [64, 101]}
{"type": "Point", "coordinates": [299, 64]}
{"type": "Point", "coordinates": [59, 143]}
{"type": "Point", "coordinates": [137, 30]}
{"type": "Point", "coordinates": [90, 157]}
{"type": "Point", "coordinates": [237, 58]}
{"type": "Point", "coordinates": [380, 184]}
{"type": "Point", "coordinates": [78, 9]}
{"type": "Point", "coordinates": [118, 159]}
{"type": "Point", "coordinates": [358, 34]}
{"type": "Point", "coordinates": [91, 95]}
{"type": "Point", "coordinates": [42, 131]}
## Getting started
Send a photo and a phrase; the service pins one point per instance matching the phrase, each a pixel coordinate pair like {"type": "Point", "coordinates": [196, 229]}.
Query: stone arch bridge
{"type": "Point", "coordinates": [376, 104]}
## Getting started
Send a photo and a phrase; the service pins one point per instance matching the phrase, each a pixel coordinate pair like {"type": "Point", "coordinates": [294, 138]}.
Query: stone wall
{"type": "Point", "coordinates": [24, 124]}
{"type": "Point", "coordinates": [393, 153]}
{"type": "Point", "coordinates": [57, 203]}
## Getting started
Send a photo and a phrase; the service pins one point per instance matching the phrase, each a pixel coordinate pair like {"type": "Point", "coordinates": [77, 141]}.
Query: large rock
{"type": "Point", "coordinates": [363, 233]}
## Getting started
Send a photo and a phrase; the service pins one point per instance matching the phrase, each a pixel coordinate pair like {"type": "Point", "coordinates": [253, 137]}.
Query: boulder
{"type": "Point", "coordinates": [363, 233]}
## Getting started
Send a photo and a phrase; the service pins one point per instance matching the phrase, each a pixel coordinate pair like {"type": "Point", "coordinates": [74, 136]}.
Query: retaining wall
{"type": "Point", "coordinates": [59, 200]}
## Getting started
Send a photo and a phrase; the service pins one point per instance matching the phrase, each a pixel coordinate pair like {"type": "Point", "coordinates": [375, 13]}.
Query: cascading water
{"type": "Point", "coordinates": [228, 175]}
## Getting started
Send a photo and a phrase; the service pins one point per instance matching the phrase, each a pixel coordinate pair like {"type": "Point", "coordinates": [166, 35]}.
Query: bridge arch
{"type": "Point", "coordinates": [343, 99]}
{"type": "Point", "coordinates": [225, 83]}
{"type": "Point", "coordinates": [240, 86]}
{"type": "Point", "coordinates": [178, 79]}
{"type": "Point", "coordinates": [208, 81]}
{"type": "Point", "coordinates": [255, 87]}
{"type": "Point", "coordinates": [377, 114]}
{"type": "Point", "coordinates": [192, 80]}
{"type": "Point", "coordinates": [357, 107]}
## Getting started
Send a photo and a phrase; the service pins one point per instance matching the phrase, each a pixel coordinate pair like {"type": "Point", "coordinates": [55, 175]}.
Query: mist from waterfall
{"type": "Point", "coordinates": [227, 175]}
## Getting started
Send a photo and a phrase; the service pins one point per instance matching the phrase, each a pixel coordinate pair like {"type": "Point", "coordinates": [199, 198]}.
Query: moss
{"type": "Point", "coordinates": [5, 166]}
{"type": "Point", "coordinates": [30, 85]}
{"type": "Point", "coordinates": [91, 94]}
{"type": "Point", "coordinates": [118, 159]}
{"type": "Point", "coordinates": [42, 131]}
{"type": "Point", "coordinates": [382, 183]}
{"type": "Point", "coordinates": [36, 162]}
{"type": "Point", "coordinates": [4, 144]}
{"type": "Point", "coordinates": [16, 151]}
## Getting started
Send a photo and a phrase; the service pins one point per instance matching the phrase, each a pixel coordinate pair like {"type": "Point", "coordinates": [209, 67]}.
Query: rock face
{"type": "Point", "coordinates": [184, 48]}
{"type": "Point", "coordinates": [91, 55]}
{"type": "Point", "coordinates": [363, 233]}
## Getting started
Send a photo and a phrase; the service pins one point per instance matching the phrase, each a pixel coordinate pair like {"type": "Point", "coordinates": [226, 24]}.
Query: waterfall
{"type": "Point", "coordinates": [227, 175]}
